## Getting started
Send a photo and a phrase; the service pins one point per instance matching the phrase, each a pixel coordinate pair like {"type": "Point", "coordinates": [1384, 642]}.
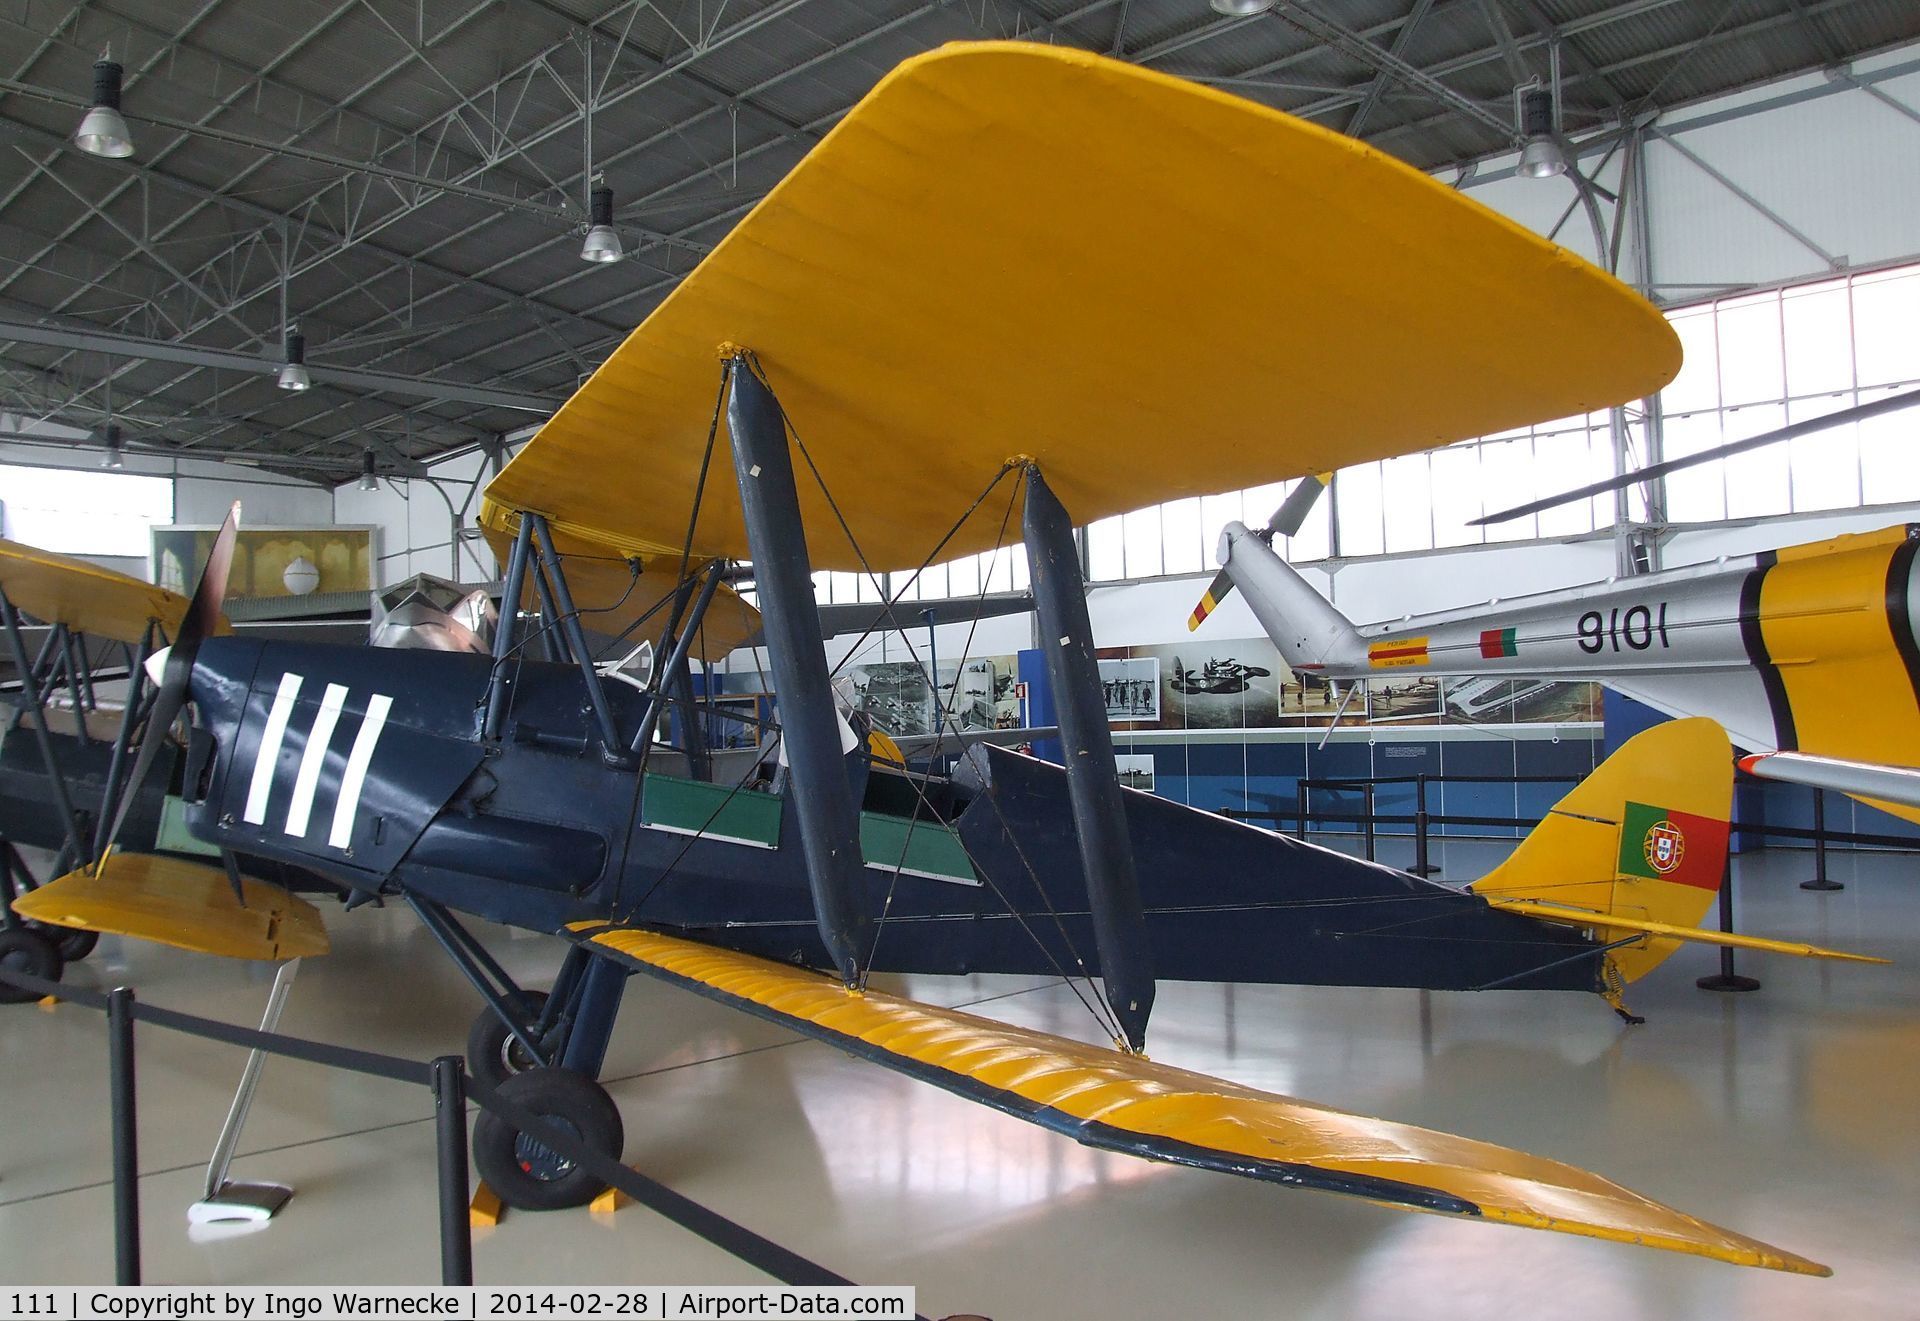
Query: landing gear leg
{"type": "Point", "coordinates": [521, 1169]}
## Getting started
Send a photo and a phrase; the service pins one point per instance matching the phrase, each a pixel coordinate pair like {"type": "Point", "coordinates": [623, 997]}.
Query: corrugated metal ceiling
{"type": "Point", "coordinates": [419, 164]}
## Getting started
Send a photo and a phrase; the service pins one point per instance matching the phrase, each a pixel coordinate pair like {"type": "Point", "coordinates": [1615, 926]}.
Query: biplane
{"type": "Point", "coordinates": [919, 346]}
{"type": "Point", "coordinates": [1806, 655]}
{"type": "Point", "coordinates": [65, 765]}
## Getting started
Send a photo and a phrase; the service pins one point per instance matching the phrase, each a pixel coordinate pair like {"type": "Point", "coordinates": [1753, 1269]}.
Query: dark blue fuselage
{"type": "Point", "coordinates": [369, 766]}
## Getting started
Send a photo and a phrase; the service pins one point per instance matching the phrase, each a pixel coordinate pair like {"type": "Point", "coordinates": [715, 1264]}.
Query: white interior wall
{"type": "Point", "coordinates": [416, 523]}
{"type": "Point", "coordinates": [1830, 158]}
{"type": "Point", "coordinates": [203, 490]}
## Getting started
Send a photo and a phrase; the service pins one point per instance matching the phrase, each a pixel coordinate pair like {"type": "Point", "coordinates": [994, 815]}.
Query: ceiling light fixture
{"type": "Point", "coordinates": [1241, 8]}
{"type": "Point", "coordinates": [293, 372]}
{"type": "Point", "coordinates": [1540, 154]}
{"type": "Point", "coordinates": [115, 456]}
{"type": "Point", "coordinates": [369, 481]}
{"type": "Point", "coordinates": [102, 131]}
{"type": "Point", "coordinates": [602, 244]}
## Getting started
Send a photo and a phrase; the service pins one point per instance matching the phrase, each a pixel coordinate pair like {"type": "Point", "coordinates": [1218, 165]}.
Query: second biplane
{"type": "Point", "coordinates": [915, 337]}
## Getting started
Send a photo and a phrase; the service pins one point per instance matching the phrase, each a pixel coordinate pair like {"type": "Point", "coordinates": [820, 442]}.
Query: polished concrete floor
{"type": "Point", "coordinates": [1788, 1114]}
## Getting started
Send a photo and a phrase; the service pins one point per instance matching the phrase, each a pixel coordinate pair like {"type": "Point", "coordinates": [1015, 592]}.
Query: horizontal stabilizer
{"type": "Point", "coordinates": [1861, 779]}
{"type": "Point", "coordinates": [1611, 922]}
{"type": "Point", "coordinates": [1118, 1102]}
{"type": "Point", "coordinates": [188, 905]}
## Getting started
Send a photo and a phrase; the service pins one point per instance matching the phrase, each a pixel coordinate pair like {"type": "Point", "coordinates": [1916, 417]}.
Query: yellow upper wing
{"type": "Point", "coordinates": [59, 589]}
{"type": "Point", "coordinates": [1153, 288]}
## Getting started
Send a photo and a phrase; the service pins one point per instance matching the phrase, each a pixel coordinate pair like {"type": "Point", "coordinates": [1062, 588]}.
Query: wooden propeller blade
{"type": "Point", "coordinates": [203, 615]}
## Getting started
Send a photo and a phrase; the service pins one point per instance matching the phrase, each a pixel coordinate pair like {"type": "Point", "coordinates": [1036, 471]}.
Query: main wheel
{"type": "Point", "coordinates": [524, 1172]}
{"type": "Point", "coordinates": [74, 944]}
{"type": "Point", "coordinates": [31, 953]}
{"type": "Point", "coordinates": [493, 1053]}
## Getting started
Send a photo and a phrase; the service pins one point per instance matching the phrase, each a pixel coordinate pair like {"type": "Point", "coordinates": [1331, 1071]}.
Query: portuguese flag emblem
{"type": "Point", "coordinates": [1657, 844]}
{"type": "Point", "coordinates": [1496, 643]}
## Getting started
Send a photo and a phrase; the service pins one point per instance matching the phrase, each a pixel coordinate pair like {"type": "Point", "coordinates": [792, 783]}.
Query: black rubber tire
{"type": "Point", "coordinates": [526, 1175]}
{"type": "Point", "coordinates": [495, 1054]}
{"type": "Point", "coordinates": [75, 945]}
{"type": "Point", "coordinates": [31, 953]}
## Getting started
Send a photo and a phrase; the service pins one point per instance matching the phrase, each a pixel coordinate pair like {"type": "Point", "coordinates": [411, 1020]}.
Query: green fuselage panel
{"type": "Point", "coordinates": [923, 847]}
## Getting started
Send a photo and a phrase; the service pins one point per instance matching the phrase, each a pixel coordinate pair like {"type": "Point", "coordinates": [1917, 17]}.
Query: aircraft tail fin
{"type": "Point", "coordinates": [1643, 839]}
{"type": "Point", "coordinates": [1310, 633]}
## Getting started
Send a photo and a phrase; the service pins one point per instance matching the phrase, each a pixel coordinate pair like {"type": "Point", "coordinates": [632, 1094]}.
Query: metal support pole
{"type": "Point", "coordinates": [79, 686]}
{"type": "Point", "coordinates": [450, 1132]}
{"type": "Point", "coordinates": [693, 734]}
{"type": "Point", "coordinates": [222, 1198]}
{"type": "Point", "coordinates": [1820, 881]}
{"type": "Point", "coordinates": [499, 684]}
{"type": "Point", "coordinates": [126, 1137]}
{"type": "Point", "coordinates": [1421, 822]}
{"type": "Point", "coordinates": [1727, 979]}
{"type": "Point", "coordinates": [1300, 813]}
{"type": "Point", "coordinates": [613, 750]}
{"type": "Point", "coordinates": [122, 739]}
{"type": "Point", "coordinates": [676, 657]}
{"type": "Point", "coordinates": [35, 702]}
{"type": "Point", "coordinates": [1367, 788]}
{"type": "Point", "coordinates": [1093, 783]}
{"type": "Point", "coordinates": [810, 727]}
{"type": "Point", "coordinates": [552, 643]}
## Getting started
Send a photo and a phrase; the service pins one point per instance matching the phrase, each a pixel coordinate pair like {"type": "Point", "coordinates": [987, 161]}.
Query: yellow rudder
{"type": "Point", "coordinates": [1644, 837]}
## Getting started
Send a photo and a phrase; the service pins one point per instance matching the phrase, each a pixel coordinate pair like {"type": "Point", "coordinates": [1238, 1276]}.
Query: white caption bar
{"type": "Point", "coordinates": [653, 1302]}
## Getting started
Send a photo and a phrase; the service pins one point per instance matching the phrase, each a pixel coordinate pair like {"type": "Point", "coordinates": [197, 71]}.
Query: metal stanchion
{"type": "Point", "coordinates": [1820, 879]}
{"type": "Point", "coordinates": [1369, 826]}
{"type": "Point", "coordinates": [126, 1141]}
{"type": "Point", "coordinates": [1300, 802]}
{"type": "Point", "coordinates": [450, 1132]}
{"type": "Point", "coordinates": [1421, 821]}
{"type": "Point", "coordinates": [1727, 979]}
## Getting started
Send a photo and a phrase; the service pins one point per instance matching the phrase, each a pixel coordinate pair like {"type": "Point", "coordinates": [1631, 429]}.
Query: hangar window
{"type": "Point", "coordinates": [1754, 363]}
{"type": "Point", "coordinates": [77, 511]}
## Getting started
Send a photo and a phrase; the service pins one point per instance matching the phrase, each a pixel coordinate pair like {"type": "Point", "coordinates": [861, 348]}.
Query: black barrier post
{"type": "Point", "coordinates": [126, 1138]}
{"type": "Point", "coordinates": [1368, 786]}
{"type": "Point", "coordinates": [1820, 879]}
{"type": "Point", "coordinates": [1727, 979]}
{"type": "Point", "coordinates": [450, 1131]}
{"type": "Point", "coordinates": [1300, 802]}
{"type": "Point", "coordinates": [1421, 866]}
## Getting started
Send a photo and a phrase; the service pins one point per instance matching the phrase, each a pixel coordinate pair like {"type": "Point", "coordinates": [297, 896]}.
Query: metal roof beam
{"type": "Point", "coordinates": [132, 346]}
{"type": "Point", "coordinates": [715, 42]}
{"type": "Point", "coordinates": [1401, 40]}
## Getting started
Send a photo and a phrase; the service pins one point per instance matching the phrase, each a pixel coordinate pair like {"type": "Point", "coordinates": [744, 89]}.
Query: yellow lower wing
{"type": "Point", "coordinates": [176, 902]}
{"type": "Point", "coordinates": [1120, 1102]}
{"type": "Point", "coordinates": [1609, 925]}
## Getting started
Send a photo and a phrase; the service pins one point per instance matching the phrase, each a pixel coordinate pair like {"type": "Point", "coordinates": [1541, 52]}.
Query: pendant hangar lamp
{"type": "Point", "coordinates": [115, 456]}
{"type": "Point", "coordinates": [1241, 8]}
{"type": "Point", "coordinates": [1540, 154]}
{"type": "Point", "coordinates": [102, 131]}
{"type": "Point", "coordinates": [369, 481]}
{"type": "Point", "coordinates": [293, 371]}
{"type": "Point", "coordinates": [603, 244]}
